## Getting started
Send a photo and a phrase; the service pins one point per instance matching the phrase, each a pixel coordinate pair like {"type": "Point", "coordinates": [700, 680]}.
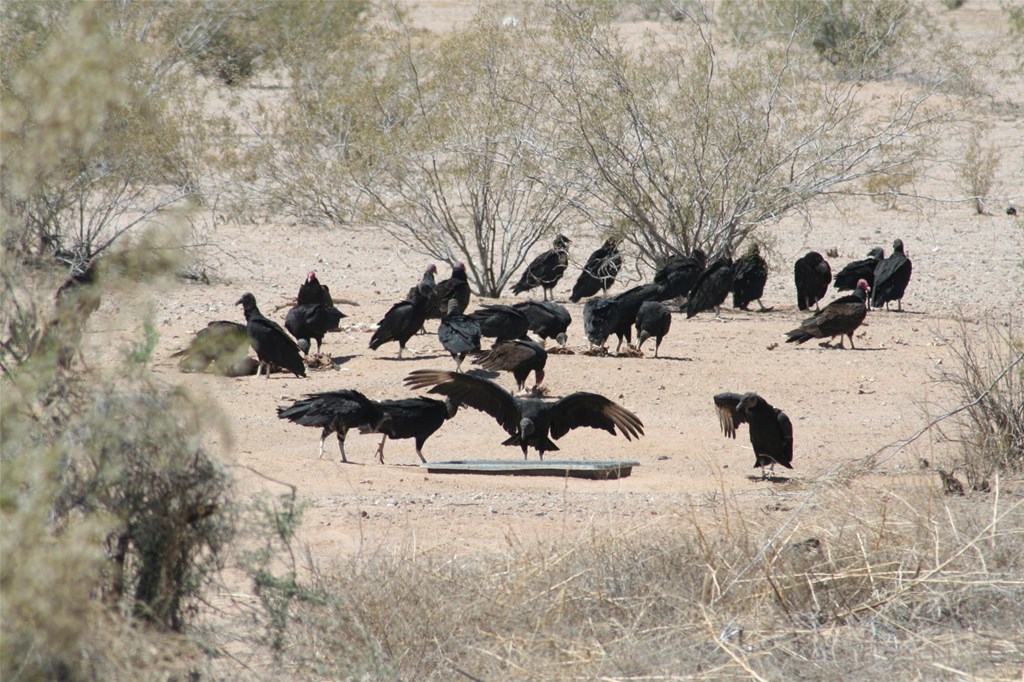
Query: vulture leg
{"type": "Point", "coordinates": [458, 361]}
{"type": "Point", "coordinates": [657, 344]}
{"type": "Point", "coordinates": [380, 449]}
{"type": "Point", "coordinates": [419, 451]}
{"type": "Point", "coordinates": [899, 305]}
{"type": "Point", "coordinates": [763, 308]}
{"type": "Point", "coordinates": [852, 347]}
{"type": "Point", "coordinates": [401, 347]}
{"type": "Point", "coordinates": [341, 445]}
{"type": "Point", "coordinates": [323, 436]}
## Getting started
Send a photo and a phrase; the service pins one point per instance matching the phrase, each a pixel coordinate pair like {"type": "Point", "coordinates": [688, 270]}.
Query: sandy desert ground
{"type": "Point", "coordinates": [844, 404]}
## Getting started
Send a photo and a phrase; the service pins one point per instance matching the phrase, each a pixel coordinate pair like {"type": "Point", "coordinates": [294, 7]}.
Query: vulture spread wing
{"type": "Point", "coordinates": [728, 416]}
{"type": "Point", "coordinates": [479, 394]}
{"type": "Point", "coordinates": [594, 411]}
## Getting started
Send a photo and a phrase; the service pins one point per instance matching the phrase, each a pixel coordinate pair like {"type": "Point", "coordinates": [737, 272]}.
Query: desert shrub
{"type": "Point", "coordinates": [101, 131]}
{"type": "Point", "coordinates": [691, 148]}
{"type": "Point", "coordinates": [860, 39]}
{"type": "Point", "coordinates": [977, 170]}
{"type": "Point", "coordinates": [987, 376]}
{"type": "Point", "coordinates": [115, 514]}
{"type": "Point", "coordinates": [882, 587]}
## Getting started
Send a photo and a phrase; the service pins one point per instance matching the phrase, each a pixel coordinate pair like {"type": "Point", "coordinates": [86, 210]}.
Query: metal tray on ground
{"type": "Point", "coordinates": [594, 469]}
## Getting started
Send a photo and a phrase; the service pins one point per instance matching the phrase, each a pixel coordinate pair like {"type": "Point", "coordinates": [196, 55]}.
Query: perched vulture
{"type": "Point", "coordinates": [892, 276]}
{"type": "Point", "coordinates": [546, 319]}
{"type": "Point", "coordinates": [519, 357]}
{"type": "Point", "coordinates": [750, 273]}
{"type": "Point", "coordinates": [711, 289]}
{"type": "Point", "coordinates": [812, 274]}
{"type": "Point", "coordinates": [312, 291]}
{"type": "Point", "coordinates": [546, 269]}
{"type": "Point", "coordinates": [839, 318]}
{"type": "Point", "coordinates": [530, 422]}
{"type": "Point", "coordinates": [771, 432]}
{"type": "Point", "coordinates": [426, 287]}
{"type": "Point", "coordinates": [459, 334]}
{"type": "Point", "coordinates": [600, 271]}
{"type": "Point", "coordinates": [501, 322]}
{"type": "Point", "coordinates": [677, 277]}
{"type": "Point", "coordinates": [334, 412]}
{"type": "Point", "coordinates": [415, 418]}
{"type": "Point", "coordinates": [400, 323]}
{"type": "Point", "coordinates": [653, 319]}
{"type": "Point", "coordinates": [454, 288]}
{"type": "Point", "coordinates": [312, 321]}
{"type": "Point", "coordinates": [271, 343]}
{"type": "Point", "coordinates": [857, 270]}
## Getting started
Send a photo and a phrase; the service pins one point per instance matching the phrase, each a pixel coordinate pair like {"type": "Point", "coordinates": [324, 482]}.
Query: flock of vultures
{"type": "Point", "coordinates": [685, 284]}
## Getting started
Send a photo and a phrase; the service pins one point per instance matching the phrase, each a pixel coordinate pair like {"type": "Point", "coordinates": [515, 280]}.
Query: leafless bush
{"type": "Point", "coordinates": [987, 375]}
{"type": "Point", "coordinates": [695, 149]}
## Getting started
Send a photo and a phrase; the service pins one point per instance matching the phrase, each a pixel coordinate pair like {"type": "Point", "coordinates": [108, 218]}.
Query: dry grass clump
{"type": "Point", "coordinates": [987, 377]}
{"type": "Point", "coordinates": [898, 587]}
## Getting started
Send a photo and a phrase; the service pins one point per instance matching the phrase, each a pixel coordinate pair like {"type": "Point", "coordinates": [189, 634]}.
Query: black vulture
{"type": "Point", "coordinates": [600, 315]}
{"type": "Point", "coordinates": [812, 274]}
{"type": "Point", "coordinates": [847, 278]}
{"type": "Point", "coordinates": [223, 343]}
{"type": "Point", "coordinates": [750, 273]}
{"type": "Point", "coordinates": [415, 418]}
{"type": "Point", "coordinates": [530, 422]}
{"type": "Point", "coordinates": [546, 269]}
{"type": "Point", "coordinates": [402, 321]}
{"type": "Point", "coordinates": [455, 288]}
{"type": "Point", "coordinates": [312, 291]}
{"type": "Point", "coordinates": [458, 333]}
{"type": "Point", "coordinates": [839, 318]}
{"type": "Point", "coordinates": [519, 357]}
{"type": "Point", "coordinates": [312, 321]}
{"type": "Point", "coordinates": [546, 319]}
{"type": "Point", "coordinates": [600, 271]}
{"type": "Point", "coordinates": [892, 276]}
{"type": "Point", "coordinates": [629, 303]}
{"type": "Point", "coordinates": [653, 319]}
{"type": "Point", "coordinates": [771, 432]}
{"type": "Point", "coordinates": [271, 343]}
{"type": "Point", "coordinates": [501, 322]}
{"type": "Point", "coordinates": [334, 412]}
{"type": "Point", "coordinates": [677, 277]}
{"type": "Point", "coordinates": [712, 288]}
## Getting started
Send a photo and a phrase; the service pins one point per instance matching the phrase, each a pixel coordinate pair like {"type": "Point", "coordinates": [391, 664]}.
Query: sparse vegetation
{"type": "Point", "coordinates": [880, 588]}
{"type": "Point", "coordinates": [977, 171]}
{"type": "Point", "coordinates": [987, 376]}
{"type": "Point", "coordinates": [117, 516]}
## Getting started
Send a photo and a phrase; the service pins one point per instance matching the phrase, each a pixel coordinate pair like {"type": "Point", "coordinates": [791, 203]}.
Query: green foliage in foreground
{"type": "Point", "coordinates": [115, 515]}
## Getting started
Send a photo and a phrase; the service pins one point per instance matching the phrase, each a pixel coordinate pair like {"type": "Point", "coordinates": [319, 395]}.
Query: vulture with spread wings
{"type": "Point", "coordinates": [530, 422]}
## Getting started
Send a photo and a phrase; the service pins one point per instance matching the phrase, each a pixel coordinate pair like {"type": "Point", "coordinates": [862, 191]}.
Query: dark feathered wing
{"type": "Point", "coordinates": [459, 334]}
{"type": "Point", "coordinates": [333, 408]}
{"type": "Point", "coordinates": [506, 356]}
{"type": "Point", "coordinates": [593, 411]}
{"type": "Point", "coordinates": [728, 415]}
{"type": "Point", "coordinates": [480, 394]}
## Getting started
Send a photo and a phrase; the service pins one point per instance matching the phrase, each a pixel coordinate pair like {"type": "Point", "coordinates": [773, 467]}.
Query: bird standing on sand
{"type": "Point", "coordinates": [771, 432]}
{"type": "Point", "coordinates": [546, 269]}
{"type": "Point", "coordinates": [271, 343]}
